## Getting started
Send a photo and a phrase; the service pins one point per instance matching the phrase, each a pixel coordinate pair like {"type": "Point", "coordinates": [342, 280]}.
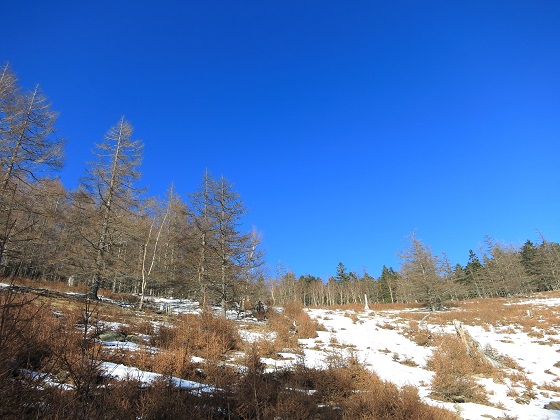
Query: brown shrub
{"type": "Point", "coordinates": [352, 315]}
{"type": "Point", "coordinates": [306, 327]}
{"type": "Point", "coordinates": [290, 325]}
{"type": "Point", "coordinates": [453, 369]}
{"type": "Point", "coordinates": [550, 386]}
{"type": "Point", "coordinates": [420, 335]}
{"type": "Point", "coordinates": [203, 335]}
{"type": "Point", "coordinates": [384, 401]}
{"type": "Point", "coordinates": [350, 391]}
{"type": "Point", "coordinates": [174, 362]}
{"type": "Point", "coordinates": [22, 347]}
{"type": "Point", "coordinates": [256, 391]}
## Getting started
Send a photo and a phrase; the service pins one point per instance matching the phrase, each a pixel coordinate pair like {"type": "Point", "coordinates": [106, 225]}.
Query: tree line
{"type": "Point", "coordinates": [108, 232]}
{"type": "Point", "coordinates": [500, 270]}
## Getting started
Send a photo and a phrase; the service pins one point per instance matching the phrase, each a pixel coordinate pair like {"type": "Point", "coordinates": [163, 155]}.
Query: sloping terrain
{"type": "Point", "coordinates": [506, 364]}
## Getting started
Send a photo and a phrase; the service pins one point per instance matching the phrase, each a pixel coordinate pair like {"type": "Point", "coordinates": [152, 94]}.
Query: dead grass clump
{"type": "Point", "coordinates": [143, 327]}
{"type": "Point", "coordinates": [520, 379]}
{"type": "Point", "coordinates": [453, 369]}
{"type": "Point", "coordinates": [120, 297]}
{"type": "Point", "coordinates": [350, 391]}
{"type": "Point", "coordinates": [535, 333]}
{"type": "Point", "coordinates": [256, 390]}
{"type": "Point", "coordinates": [383, 400]}
{"type": "Point", "coordinates": [407, 361]}
{"type": "Point", "coordinates": [292, 324]}
{"type": "Point", "coordinates": [386, 326]}
{"type": "Point", "coordinates": [510, 363]}
{"type": "Point", "coordinates": [352, 315]}
{"type": "Point", "coordinates": [306, 327]}
{"type": "Point", "coordinates": [420, 335]}
{"type": "Point", "coordinates": [550, 386]}
{"type": "Point", "coordinates": [203, 335]}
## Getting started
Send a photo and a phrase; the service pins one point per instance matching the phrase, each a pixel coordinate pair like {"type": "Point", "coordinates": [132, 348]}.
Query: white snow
{"type": "Point", "coordinates": [382, 350]}
{"type": "Point", "coordinates": [376, 339]}
{"type": "Point", "coordinates": [119, 371]}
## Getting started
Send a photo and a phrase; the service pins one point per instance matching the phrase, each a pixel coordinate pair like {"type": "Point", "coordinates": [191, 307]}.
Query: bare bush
{"type": "Point", "coordinates": [453, 368]}
{"type": "Point", "coordinates": [290, 325]}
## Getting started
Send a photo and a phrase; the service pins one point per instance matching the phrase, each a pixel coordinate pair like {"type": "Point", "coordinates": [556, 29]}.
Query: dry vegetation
{"type": "Point", "coordinates": [52, 347]}
{"type": "Point", "coordinates": [50, 367]}
{"type": "Point", "coordinates": [454, 370]}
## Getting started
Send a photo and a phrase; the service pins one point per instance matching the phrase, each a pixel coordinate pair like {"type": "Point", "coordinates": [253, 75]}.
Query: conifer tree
{"type": "Point", "coordinates": [388, 284]}
{"type": "Point", "coordinates": [29, 152]}
{"type": "Point", "coordinates": [110, 184]}
{"type": "Point", "coordinates": [425, 273]}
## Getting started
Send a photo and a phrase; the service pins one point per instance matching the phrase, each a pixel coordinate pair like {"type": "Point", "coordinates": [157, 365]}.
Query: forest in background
{"type": "Point", "coordinates": [109, 233]}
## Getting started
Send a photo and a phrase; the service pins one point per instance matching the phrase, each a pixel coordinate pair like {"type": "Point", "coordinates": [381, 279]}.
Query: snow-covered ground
{"type": "Point", "coordinates": [383, 350]}
{"type": "Point", "coordinates": [377, 340]}
{"type": "Point", "coordinates": [119, 371]}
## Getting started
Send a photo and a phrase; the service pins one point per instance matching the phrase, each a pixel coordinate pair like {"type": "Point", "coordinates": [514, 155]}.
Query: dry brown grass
{"type": "Point", "coordinates": [550, 386]}
{"type": "Point", "coordinates": [61, 346]}
{"type": "Point", "coordinates": [290, 325]}
{"type": "Point", "coordinates": [350, 391]}
{"type": "Point", "coordinates": [418, 334]}
{"type": "Point", "coordinates": [34, 339]}
{"type": "Point", "coordinates": [120, 297]}
{"type": "Point", "coordinates": [205, 335]}
{"type": "Point", "coordinates": [355, 307]}
{"type": "Point", "coordinates": [352, 315]}
{"type": "Point", "coordinates": [500, 313]}
{"type": "Point", "coordinates": [57, 285]}
{"type": "Point", "coordinates": [343, 391]}
{"type": "Point", "coordinates": [453, 372]}
{"type": "Point", "coordinates": [387, 326]}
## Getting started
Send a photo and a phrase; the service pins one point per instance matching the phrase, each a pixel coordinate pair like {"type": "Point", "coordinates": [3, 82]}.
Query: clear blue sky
{"type": "Point", "coordinates": [345, 125]}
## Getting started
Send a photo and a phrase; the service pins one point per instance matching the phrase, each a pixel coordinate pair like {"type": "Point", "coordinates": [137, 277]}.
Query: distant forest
{"type": "Point", "coordinates": [109, 233]}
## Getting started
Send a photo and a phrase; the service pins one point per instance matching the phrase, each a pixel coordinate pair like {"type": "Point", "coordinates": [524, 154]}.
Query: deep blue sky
{"type": "Point", "coordinates": [345, 125]}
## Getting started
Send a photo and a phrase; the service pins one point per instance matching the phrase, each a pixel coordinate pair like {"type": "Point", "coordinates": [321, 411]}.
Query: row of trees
{"type": "Point", "coordinates": [502, 270]}
{"type": "Point", "coordinates": [108, 232]}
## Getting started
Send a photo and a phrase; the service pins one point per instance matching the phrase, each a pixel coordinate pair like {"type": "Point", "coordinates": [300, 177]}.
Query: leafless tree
{"type": "Point", "coordinates": [29, 152]}
{"type": "Point", "coordinates": [425, 273]}
{"type": "Point", "coordinates": [226, 212]}
{"type": "Point", "coordinates": [200, 206]}
{"type": "Point", "coordinates": [504, 273]}
{"type": "Point", "coordinates": [111, 185]}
